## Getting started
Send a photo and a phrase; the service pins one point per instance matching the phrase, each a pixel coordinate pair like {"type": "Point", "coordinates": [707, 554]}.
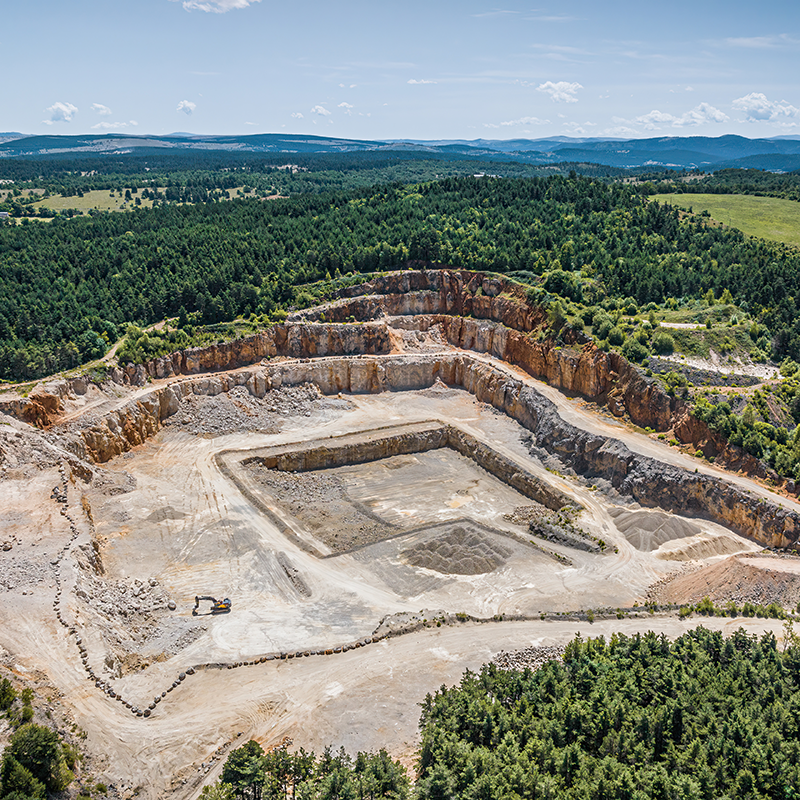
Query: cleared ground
{"type": "Point", "coordinates": [170, 524]}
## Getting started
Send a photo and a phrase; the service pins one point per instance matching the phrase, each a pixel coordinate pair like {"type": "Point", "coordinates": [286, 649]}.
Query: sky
{"type": "Point", "coordinates": [432, 69]}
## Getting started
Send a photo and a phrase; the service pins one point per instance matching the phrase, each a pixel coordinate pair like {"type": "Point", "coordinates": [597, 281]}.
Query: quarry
{"type": "Point", "coordinates": [390, 489]}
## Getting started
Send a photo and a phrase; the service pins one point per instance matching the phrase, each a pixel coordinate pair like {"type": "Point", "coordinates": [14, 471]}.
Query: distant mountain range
{"type": "Point", "coordinates": [779, 154]}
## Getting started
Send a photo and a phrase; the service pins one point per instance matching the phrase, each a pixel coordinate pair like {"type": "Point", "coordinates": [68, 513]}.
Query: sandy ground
{"type": "Point", "coordinates": [168, 517]}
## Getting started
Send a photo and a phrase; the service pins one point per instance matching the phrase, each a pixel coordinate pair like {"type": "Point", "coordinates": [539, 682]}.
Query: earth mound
{"type": "Point", "coordinates": [648, 530]}
{"type": "Point", "coordinates": [755, 579]}
{"type": "Point", "coordinates": [461, 551]}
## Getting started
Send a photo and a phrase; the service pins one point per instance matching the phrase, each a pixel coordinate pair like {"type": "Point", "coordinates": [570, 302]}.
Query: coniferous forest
{"type": "Point", "coordinates": [640, 717]}
{"type": "Point", "coordinates": [71, 285]}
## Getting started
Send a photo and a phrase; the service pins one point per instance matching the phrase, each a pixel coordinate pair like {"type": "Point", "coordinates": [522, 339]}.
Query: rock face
{"type": "Point", "coordinates": [373, 445]}
{"type": "Point", "coordinates": [650, 482]}
{"type": "Point", "coordinates": [474, 310]}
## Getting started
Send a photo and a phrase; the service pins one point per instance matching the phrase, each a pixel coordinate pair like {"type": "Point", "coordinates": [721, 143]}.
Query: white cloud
{"type": "Point", "coordinates": [418, 83]}
{"type": "Point", "coordinates": [352, 86]}
{"type": "Point", "coordinates": [655, 118]}
{"type": "Point", "coordinates": [552, 18]}
{"type": "Point", "coordinates": [215, 6]}
{"type": "Point", "coordinates": [561, 92]}
{"type": "Point", "coordinates": [321, 110]}
{"type": "Point", "coordinates": [187, 106]}
{"type": "Point", "coordinates": [511, 123]}
{"type": "Point", "coordinates": [699, 115]}
{"type": "Point", "coordinates": [757, 108]}
{"type": "Point", "coordinates": [346, 107]}
{"type": "Point", "coordinates": [103, 111]}
{"type": "Point", "coordinates": [619, 131]}
{"type": "Point", "coordinates": [60, 112]}
{"type": "Point", "coordinates": [297, 115]}
{"type": "Point", "coordinates": [498, 12]}
{"type": "Point", "coordinates": [114, 126]}
{"type": "Point", "coordinates": [761, 42]}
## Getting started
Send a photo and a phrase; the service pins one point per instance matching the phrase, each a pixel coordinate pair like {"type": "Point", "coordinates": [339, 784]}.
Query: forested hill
{"type": "Point", "coordinates": [673, 152]}
{"type": "Point", "coordinates": [69, 283]}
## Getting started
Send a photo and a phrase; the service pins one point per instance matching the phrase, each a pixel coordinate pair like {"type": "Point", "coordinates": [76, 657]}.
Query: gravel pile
{"type": "Point", "coordinates": [459, 552]}
{"type": "Point", "coordinates": [523, 515]}
{"type": "Point", "coordinates": [21, 450]}
{"type": "Point", "coordinates": [738, 579]}
{"type": "Point", "coordinates": [528, 658]}
{"type": "Point", "coordinates": [238, 410]}
{"type": "Point", "coordinates": [121, 600]}
{"type": "Point", "coordinates": [19, 572]}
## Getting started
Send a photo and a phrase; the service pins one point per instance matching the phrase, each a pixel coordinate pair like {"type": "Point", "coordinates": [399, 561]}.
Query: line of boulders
{"type": "Point", "coordinates": [285, 656]}
{"type": "Point", "coordinates": [529, 657]}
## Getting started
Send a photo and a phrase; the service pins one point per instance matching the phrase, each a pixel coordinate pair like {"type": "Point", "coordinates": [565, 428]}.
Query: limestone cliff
{"type": "Point", "coordinates": [648, 481]}
{"type": "Point", "coordinates": [474, 311]}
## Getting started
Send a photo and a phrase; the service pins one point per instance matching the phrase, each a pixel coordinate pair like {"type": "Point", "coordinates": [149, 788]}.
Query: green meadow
{"type": "Point", "coordinates": [766, 217]}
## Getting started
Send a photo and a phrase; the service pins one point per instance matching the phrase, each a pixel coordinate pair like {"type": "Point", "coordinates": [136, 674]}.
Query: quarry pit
{"type": "Point", "coordinates": [383, 511]}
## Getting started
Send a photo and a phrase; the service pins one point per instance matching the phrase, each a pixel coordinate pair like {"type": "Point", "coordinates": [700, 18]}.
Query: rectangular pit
{"type": "Point", "coordinates": [323, 496]}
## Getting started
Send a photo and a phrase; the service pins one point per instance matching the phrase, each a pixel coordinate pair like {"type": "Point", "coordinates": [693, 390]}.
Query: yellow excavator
{"type": "Point", "coordinates": [217, 606]}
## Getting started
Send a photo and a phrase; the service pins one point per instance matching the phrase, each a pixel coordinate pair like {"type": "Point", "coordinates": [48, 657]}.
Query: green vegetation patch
{"type": "Point", "coordinates": [251, 774]}
{"type": "Point", "coordinates": [635, 717]}
{"type": "Point", "coordinates": [724, 340]}
{"type": "Point", "coordinates": [767, 217]}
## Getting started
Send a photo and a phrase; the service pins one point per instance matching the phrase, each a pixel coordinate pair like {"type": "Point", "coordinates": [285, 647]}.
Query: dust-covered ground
{"type": "Point", "coordinates": [162, 524]}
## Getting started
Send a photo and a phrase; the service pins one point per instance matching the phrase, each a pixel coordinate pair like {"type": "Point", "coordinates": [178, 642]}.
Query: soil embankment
{"type": "Point", "coordinates": [759, 580]}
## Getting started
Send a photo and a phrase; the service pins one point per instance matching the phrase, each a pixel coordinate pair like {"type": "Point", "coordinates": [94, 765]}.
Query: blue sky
{"type": "Point", "coordinates": [437, 69]}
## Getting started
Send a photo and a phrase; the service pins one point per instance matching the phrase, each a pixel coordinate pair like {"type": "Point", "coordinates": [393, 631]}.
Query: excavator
{"type": "Point", "coordinates": [217, 606]}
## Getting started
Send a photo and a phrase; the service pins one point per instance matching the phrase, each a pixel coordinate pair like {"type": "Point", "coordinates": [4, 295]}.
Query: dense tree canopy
{"type": "Point", "coordinates": [251, 774]}
{"type": "Point", "coordinates": [632, 718]}
{"type": "Point", "coordinates": [69, 286]}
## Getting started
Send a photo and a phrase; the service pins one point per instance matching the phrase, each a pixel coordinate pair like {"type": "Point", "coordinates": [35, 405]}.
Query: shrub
{"type": "Point", "coordinates": [634, 350]}
{"type": "Point", "coordinates": [615, 336]}
{"type": "Point", "coordinates": [706, 607]}
{"type": "Point", "coordinates": [564, 284]}
{"type": "Point", "coordinates": [603, 328]}
{"type": "Point", "coordinates": [663, 343]}
{"type": "Point", "coordinates": [7, 694]}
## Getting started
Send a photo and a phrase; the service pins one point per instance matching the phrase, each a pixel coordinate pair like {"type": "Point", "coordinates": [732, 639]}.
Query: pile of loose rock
{"type": "Point", "coordinates": [529, 657]}
{"type": "Point", "coordinates": [120, 600]}
{"type": "Point", "coordinates": [21, 573]}
{"type": "Point", "coordinates": [237, 410]}
{"type": "Point", "coordinates": [463, 550]}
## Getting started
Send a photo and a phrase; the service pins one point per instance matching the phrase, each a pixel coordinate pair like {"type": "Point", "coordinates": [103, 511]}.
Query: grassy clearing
{"type": "Point", "coordinates": [767, 217]}
{"type": "Point", "coordinates": [734, 340]}
{"type": "Point", "coordinates": [100, 199]}
{"type": "Point", "coordinates": [105, 200]}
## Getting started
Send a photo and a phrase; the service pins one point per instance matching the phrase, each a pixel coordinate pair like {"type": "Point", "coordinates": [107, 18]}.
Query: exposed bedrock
{"type": "Point", "coordinates": [649, 481]}
{"type": "Point", "coordinates": [383, 443]}
{"type": "Point", "coordinates": [476, 311]}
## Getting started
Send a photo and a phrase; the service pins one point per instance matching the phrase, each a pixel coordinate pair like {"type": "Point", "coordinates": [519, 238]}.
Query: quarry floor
{"type": "Point", "coordinates": [168, 516]}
